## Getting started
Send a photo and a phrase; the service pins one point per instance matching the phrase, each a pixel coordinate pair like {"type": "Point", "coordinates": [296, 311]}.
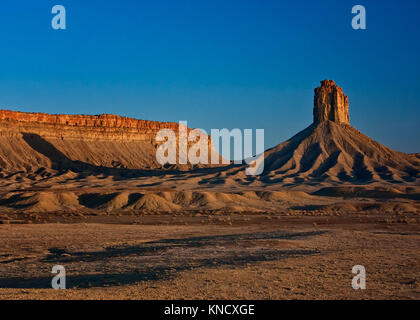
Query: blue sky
{"type": "Point", "coordinates": [220, 63]}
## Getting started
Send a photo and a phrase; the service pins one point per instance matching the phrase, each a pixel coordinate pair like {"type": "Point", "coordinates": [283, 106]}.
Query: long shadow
{"type": "Point", "coordinates": [165, 244]}
{"type": "Point", "coordinates": [150, 273]}
{"type": "Point", "coordinates": [11, 202]}
{"type": "Point", "coordinates": [168, 266]}
{"type": "Point", "coordinates": [327, 164]}
{"type": "Point", "coordinates": [61, 162]}
{"type": "Point", "coordinates": [360, 192]}
{"type": "Point", "coordinates": [360, 171]}
{"type": "Point", "coordinates": [94, 200]}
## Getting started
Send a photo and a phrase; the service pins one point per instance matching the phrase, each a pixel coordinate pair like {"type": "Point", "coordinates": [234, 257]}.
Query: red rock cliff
{"type": "Point", "coordinates": [104, 126]}
{"type": "Point", "coordinates": [32, 140]}
{"type": "Point", "coordinates": [330, 103]}
{"type": "Point", "coordinates": [103, 120]}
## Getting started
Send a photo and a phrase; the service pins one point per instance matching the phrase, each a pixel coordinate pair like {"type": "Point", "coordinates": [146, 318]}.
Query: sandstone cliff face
{"type": "Point", "coordinates": [29, 141]}
{"type": "Point", "coordinates": [105, 126]}
{"type": "Point", "coordinates": [330, 103]}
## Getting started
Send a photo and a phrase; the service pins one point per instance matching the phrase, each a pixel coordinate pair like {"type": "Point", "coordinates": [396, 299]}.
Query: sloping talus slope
{"type": "Point", "coordinates": [337, 152]}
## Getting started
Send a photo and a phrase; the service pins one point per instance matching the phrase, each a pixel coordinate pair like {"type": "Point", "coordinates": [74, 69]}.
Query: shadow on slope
{"type": "Point", "coordinates": [60, 162]}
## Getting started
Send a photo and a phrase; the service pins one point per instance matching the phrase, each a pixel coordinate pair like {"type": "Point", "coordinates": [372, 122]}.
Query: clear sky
{"type": "Point", "coordinates": [219, 63]}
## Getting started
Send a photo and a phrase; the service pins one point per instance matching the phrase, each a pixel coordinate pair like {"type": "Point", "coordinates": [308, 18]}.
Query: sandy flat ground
{"type": "Point", "coordinates": [204, 257]}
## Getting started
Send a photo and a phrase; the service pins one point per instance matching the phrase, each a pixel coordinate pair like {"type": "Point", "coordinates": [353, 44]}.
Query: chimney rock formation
{"type": "Point", "coordinates": [330, 103]}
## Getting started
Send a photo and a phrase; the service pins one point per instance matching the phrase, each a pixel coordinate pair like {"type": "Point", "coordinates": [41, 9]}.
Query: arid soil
{"type": "Point", "coordinates": [234, 256]}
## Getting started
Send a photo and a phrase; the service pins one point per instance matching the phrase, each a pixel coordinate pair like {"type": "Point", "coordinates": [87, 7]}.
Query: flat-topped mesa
{"type": "Point", "coordinates": [96, 121]}
{"type": "Point", "coordinates": [330, 103]}
{"type": "Point", "coordinates": [85, 127]}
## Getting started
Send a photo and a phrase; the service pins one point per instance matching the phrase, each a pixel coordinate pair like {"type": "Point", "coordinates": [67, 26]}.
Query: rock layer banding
{"type": "Point", "coordinates": [29, 141]}
{"type": "Point", "coordinates": [330, 103]}
{"type": "Point", "coordinates": [104, 126]}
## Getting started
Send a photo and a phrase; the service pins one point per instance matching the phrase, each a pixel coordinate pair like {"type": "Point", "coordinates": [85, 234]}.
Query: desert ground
{"type": "Point", "coordinates": [212, 256]}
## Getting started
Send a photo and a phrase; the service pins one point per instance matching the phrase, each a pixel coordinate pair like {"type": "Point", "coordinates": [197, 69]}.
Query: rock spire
{"type": "Point", "coordinates": [330, 103]}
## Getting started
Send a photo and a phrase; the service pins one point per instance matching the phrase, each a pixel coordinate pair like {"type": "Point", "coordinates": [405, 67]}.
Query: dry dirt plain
{"type": "Point", "coordinates": [224, 256]}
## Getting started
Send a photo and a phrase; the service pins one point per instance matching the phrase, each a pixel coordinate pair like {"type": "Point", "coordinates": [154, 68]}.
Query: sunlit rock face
{"type": "Point", "coordinates": [330, 103]}
{"type": "Point", "coordinates": [29, 141]}
{"type": "Point", "coordinates": [104, 126]}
